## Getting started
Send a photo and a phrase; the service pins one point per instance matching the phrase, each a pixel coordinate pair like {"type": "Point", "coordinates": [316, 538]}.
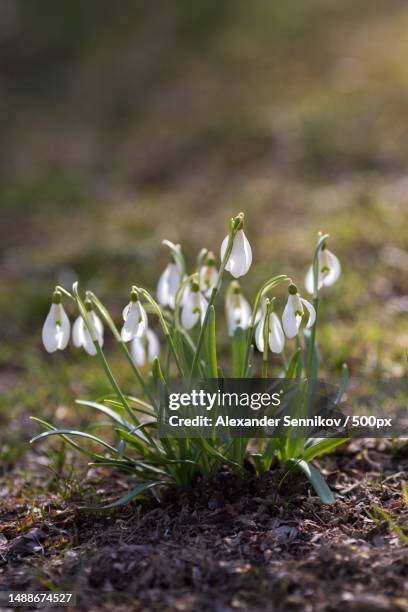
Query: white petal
{"type": "Point", "coordinates": [128, 330]}
{"type": "Point", "coordinates": [138, 351]}
{"type": "Point", "coordinates": [289, 320]}
{"type": "Point", "coordinates": [136, 322]}
{"type": "Point", "coordinates": [162, 288]}
{"type": "Point", "coordinates": [174, 284]}
{"type": "Point", "coordinates": [191, 311]}
{"type": "Point", "coordinates": [168, 284]}
{"type": "Point", "coordinates": [49, 331]}
{"type": "Point", "coordinates": [208, 279]}
{"type": "Point", "coordinates": [276, 336]}
{"type": "Point", "coordinates": [153, 345]}
{"type": "Point", "coordinates": [185, 294]}
{"type": "Point", "coordinates": [98, 326]}
{"type": "Point", "coordinates": [311, 311]}
{"type": "Point", "coordinates": [125, 311]}
{"type": "Point", "coordinates": [259, 335]}
{"type": "Point", "coordinates": [203, 307]}
{"type": "Point", "coordinates": [335, 269]}
{"type": "Point", "coordinates": [241, 256]}
{"type": "Point", "coordinates": [78, 332]}
{"type": "Point", "coordinates": [64, 329]}
{"type": "Point", "coordinates": [223, 249]}
{"type": "Point", "coordinates": [88, 345]}
{"type": "Point", "coordinates": [309, 284]}
{"type": "Point", "coordinates": [142, 327]}
{"type": "Point", "coordinates": [246, 312]}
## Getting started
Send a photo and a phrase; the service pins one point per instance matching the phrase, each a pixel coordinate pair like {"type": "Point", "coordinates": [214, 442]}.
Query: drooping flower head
{"type": "Point", "coordinates": [237, 309]}
{"type": "Point", "coordinates": [240, 258]}
{"type": "Point", "coordinates": [80, 332]}
{"type": "Point", "coordinates": [208, 275]}
{"type": "Point", "coordinates": [194, 307]}
{"type": "Point", "coordinates": [145, 350]}
{"type": "Point", "coordinates": [328, 272]}
{"type": "Point", "coordinates": [135, 318]}
{"type": "Point", "coordinates": [294, 311]}
{"type": "Point", "coordinates": [56, 329]}
{"type": "Point", "coordinates": [168, 284]}
{"type": "Point", "coordinates": [276, 338]}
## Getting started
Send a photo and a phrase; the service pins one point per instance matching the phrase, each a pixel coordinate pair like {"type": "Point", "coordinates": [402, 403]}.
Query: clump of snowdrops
{"type": "Point", "coordinates": [184, 311]}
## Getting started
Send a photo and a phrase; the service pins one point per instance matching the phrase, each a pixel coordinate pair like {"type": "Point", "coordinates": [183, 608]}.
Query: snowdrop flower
{"type": "Point", "coordinates": [168, 284]}
{"type": "Point", "coordinates": [294, 311]}
{"type": "Point", "coordinates": [145, 350]}
{"type": "Point", "coordinates": [208, 275]}
{"type": "Point", "coordinates": [329, 271]}
{"type": "Point", "coordinates": [276, 338]}
{"type": "Point", "coordinates": [81, 335]}
{"type": "Point", "coordinates": [238, 311]}
{"type": "Point", "coordinates": [240, 258]}
{"type": "Point", "coordinates": [56, 329]}
{"type": "Point", "coordinates": [194, 307]}
{"type": "Point", "coordinates": [135, 318]}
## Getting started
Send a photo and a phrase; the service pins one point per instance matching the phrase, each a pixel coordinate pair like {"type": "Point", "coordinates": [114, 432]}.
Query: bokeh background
{"type": "Point", "coordinates": [125, 123]}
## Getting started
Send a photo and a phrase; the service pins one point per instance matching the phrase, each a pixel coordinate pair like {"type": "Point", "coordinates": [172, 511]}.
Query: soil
{"type": "Point", "coordinates": [229, 544]}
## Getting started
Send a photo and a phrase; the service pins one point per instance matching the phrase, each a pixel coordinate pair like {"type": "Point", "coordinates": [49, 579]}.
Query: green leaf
{"type": "Point", "coordinates": [396, 528]}
{"type": "Point", "coordinates": [210, 346]}
{"type": "Point", "coordinates": [292, 365]}
{"type": "Point", "coordinates": [158, 375]}
{"type": "Point", "coordinates": [141, 488]}
{"type": "Point", "coordinates": [184, 351]}
{"type": "Point", "coordinates": [105, 410]}
{"type": "Point", "coordinates": [317, 481]}
{"type": "Point", "coordinates": [211, 451]}
{"type": "Point", "coordinates": [238, 348]}
{"type": "Point", "coordinates": [73, 432]}
{"type": "Point", "coordinates": [343, 384]}
{"type": "Point", "coordinates": [320, 446]}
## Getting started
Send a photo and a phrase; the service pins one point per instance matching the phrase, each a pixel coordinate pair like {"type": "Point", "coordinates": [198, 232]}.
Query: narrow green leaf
{"type": "Point", "coordinates": [320, 446]}
{"type": "Point", "coordinates": [343, 384]}
{"type": "Point", "coordinates": [141, 488]}
{"type": "Point", "coordinates": [210, 346]}
{"type": "Point", "coordinates": [317, 481]}
{"type": "Point", "coordinates": [73, 432]}
{"type": "Point", "coordinates": [105, 410]}
{"type": "Point", "coordinates": [238, 348]}
{"type": "Point", "coordinates": [292, 365]}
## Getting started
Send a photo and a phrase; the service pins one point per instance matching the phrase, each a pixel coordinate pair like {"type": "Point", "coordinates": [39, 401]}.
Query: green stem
{"type": "Point", "coordinates": [319, 245]}
{"type": "Point", "coordinates": [269, 307]}
{"type": "Point", "coordinates": [270, 284]}
{"type": "Point", "coordinates": [312, 341]}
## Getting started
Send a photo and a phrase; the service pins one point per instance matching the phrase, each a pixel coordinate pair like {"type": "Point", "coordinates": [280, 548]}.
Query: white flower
{"type": "Point", "coordinates": [135, 319]}
{"type": "Point", "coordinates": [240, 259]}
{"type": "Point", "coordinates": [194, 308]}
{"type": "Point", "coordinates": [168, 284]}
{"type": "Point", "coordinates": [238, 310]}
{"type": "Point", "coordinates": [276, 336]}
{"type": "Point", "coordinates": [208, 276]}
{"type": "Point", "coordinates": [81, 335]}
{"type": "Point", "coordinates": [56, 329]}
{"type": "Point", "coordinates": [329, 271]}
{"type": "Point", "coordinates": [294, 311]}
{"type": "Point", "coordinates": [145, 350]}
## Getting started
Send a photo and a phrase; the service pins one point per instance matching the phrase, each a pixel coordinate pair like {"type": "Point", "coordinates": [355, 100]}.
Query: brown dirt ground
{"type": "Point", "coordinates": [233, 544]}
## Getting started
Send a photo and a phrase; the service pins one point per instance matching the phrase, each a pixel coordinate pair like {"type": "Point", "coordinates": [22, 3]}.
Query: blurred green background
{"type": "Point", "coordinates": [125, 123]}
